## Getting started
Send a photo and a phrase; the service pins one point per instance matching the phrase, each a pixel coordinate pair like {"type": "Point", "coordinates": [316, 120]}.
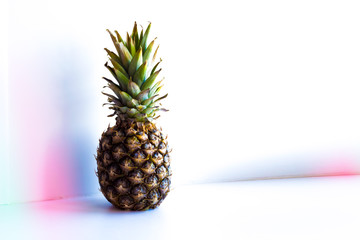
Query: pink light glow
{"type": "Point", "coordinates": [58, 172]}
{"type": "Point", "coordinates": [338, 165]}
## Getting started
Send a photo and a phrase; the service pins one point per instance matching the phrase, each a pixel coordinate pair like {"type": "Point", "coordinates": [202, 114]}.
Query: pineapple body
{"type": "Point", "coordinates": [133, 165]}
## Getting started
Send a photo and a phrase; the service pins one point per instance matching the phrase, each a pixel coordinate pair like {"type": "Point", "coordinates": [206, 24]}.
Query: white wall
{"type": "Point", "coordinates": [4, 125]}
{"type": "Point", "coordinates": [256, 88]}
{"type": "Point", "coordinates": [263, 88]}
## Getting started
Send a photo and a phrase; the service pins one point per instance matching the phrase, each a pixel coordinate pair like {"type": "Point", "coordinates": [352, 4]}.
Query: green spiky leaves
{"type": "Point", "coordinates": [134, 69]}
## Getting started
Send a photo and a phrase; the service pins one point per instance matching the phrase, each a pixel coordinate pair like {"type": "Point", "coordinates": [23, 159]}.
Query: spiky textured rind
{"type": "Point", "coordinates": [133, 165]}
{"type": "Point", "coordinates": [134, 69]}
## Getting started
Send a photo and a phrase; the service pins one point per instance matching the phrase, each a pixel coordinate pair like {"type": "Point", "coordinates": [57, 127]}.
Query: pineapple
{"type": "Point", "coordinates": [133, 161]}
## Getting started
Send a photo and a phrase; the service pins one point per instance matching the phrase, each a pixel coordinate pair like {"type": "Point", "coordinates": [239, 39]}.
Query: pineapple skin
{"type": "Point", "coordinates": [133, 165]}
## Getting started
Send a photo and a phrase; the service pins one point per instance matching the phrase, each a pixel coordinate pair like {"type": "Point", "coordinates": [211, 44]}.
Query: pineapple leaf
{"type": "Point", "coordinates": [135, 35]}
{"type": "Point", "coordinates": [144, 39]}
{"type": "Point", "coordinates": [141, 107]}
{"type": "Point", "coordinates": [140, 74]}
{"type": "Point", "coordinates": [112, 71]}
{"type": "Point", "coordinates": [158, 89]}
{"type": "Point", "coordinates": [130, 44]}
{"type": "Point", "coordinates": [135, 62]}
{"type": "Point", "coordinates": [140, 38]}
{"type": "Point", "coordinates": [154, 68]}
{"type": "Point", "coordinates": [160, 98]}
{"type": "Point", "coordinates": [155, 53]}
{"type": "Point", "coordinates": [149, 82]}
{"type": "Point", "coordinates": [133, 89]}
{"type": "Point", "coordinates": [126, 99]}
{"type": "Point", "coordinates": [119, 67]}
{"type": "Point", "coordinates": [113, 99]}
{"type": "Point", "coordinates": [143, 95]}
{"type": "Point", "coordinates": [122, 108]}
{"type": "Point", "coordinates": [140, 117]}
{"type": "Point", "coordinates": [154, 88]}
{"type": "Point", "coordinates": [132, 111]}
{"type": "Point", "coordinates": [134, 103]}
{"type": "Point", "coordinates": [113, 55]}
{"type": "Point", "coordinates": [122, 79]}
{"type": "Point", "coordinates": [119, 37]}
{"type": "Point", "coordinates": [115, 107]}
{"type": "Point", "coordinates": [148, 101]}
{"type": "Point", "coordinates": [114, 87]}
{"type": "Point", "coordinates": [134, 31]}
{"type": "Point", "coordinates": [149, 110]}
{"type": "Point", "coordinates": [125, 56]}
{"type": "Point", "coordinates": [113, 38]}
{"type": "Point", "coordinates": [148, 51]}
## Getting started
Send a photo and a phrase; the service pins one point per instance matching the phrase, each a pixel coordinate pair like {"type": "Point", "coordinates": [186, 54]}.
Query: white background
{"type": "Point", "coordinates": [256, 88]}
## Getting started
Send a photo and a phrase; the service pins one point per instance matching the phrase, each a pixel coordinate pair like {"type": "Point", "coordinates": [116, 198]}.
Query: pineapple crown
{"type": "Point", "coordinates": [134, 68]}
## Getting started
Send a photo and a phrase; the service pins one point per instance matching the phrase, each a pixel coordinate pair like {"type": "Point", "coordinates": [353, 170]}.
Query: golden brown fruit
{"type": "Point", "coordinates": [133, 165]}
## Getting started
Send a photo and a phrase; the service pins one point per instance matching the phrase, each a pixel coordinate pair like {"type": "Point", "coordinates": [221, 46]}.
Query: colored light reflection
{"type": "Point", "coordinates": [52, 126]}
{"type": "Point", "coordinates": [58, 176]}
{"type": "Point", "coordinates": [338, 165]}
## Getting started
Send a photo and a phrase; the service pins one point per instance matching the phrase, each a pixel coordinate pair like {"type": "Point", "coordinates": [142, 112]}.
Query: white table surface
{"type": "Point", "coordinates": [308, 208]}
